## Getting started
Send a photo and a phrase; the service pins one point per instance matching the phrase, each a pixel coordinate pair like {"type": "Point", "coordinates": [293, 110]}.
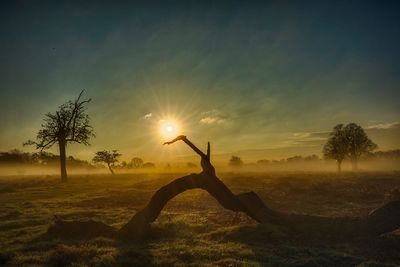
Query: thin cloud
{"type": "Point", "coordinates": [211, 120]}
{"type": "Point", "coordinates": [147, 116]}
{"type": "Point", "coordinates": [312, 136]}
{"type": "Point", "coordinates": [305, 139]}
{"type": "Point", "coordinates": [212, 117]}
{"type": "Point", "coordinates": [385, 126]}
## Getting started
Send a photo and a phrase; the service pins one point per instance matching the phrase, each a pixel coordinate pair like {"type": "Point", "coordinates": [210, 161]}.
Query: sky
{"type": "Point", "coordinates": [262, 80]}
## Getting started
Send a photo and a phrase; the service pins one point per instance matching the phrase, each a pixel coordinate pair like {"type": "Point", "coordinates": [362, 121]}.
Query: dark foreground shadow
{"type": "Point", "coordinates": [274, 245]}
{"type": "Point", "coordinates": [271, 246]}
{"type": "Point", "coordinates": [80, 248]}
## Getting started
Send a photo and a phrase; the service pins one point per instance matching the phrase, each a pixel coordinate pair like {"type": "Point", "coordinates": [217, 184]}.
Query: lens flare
{"type": "Point", "coordinates": [169, 128]}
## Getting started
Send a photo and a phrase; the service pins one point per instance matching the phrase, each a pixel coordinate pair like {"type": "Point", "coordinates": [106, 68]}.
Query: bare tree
{"type": "Point", "coordinates": [108, 157]}
{"type": "Point", "coordinates": [358, 143]}
{"type": "Point", "coordinates": [69, 124]}
{"type": "Point", "coordinates": [336, 146]}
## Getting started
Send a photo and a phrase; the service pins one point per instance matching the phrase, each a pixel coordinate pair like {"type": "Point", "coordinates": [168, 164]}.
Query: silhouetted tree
{"type": "Point", "coordinates": [148, 165]}
{"type": "Point", "coordinates": [69, 124]}
{"type": "Point", "coordinates": [336, 147]}
{"type": "Point", "coordinates": [348, 141]}
{"type": "Point", "coordinates": [137, 163]}
{"type": "Point", "coordinates": [107, 157]}
{"type": "Point", "coordinates": [235, 161]}
{"type": "Point", "coordinates": [358, 143]}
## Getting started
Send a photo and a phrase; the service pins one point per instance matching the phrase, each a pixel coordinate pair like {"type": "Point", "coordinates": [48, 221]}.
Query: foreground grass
{"type": "Point", "coordinates": [193, 229]}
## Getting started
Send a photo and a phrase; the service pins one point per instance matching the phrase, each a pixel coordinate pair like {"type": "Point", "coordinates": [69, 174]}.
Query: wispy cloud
{"type": "Point", "coordinates": [211, 120]}
{"type": "Point", "coordinates": [385, 126]}
{"type": "Point", "coordinates": [147, 116]}
{"type": "Point", "coordinates": [212, 117]}
{"type": "Point", "coordinates": [312, 136]}
{"type": "Point", "coordinates": [306, 139]}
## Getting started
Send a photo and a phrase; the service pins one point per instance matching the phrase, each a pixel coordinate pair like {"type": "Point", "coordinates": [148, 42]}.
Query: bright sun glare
{"type": "Point", "coordinates": [169, 128]}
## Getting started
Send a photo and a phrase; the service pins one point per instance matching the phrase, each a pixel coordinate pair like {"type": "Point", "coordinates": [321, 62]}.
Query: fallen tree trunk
{"type": "Point", "coordinates": [382, 220]}
{"type": "Point", "coordinates": [248, 203]}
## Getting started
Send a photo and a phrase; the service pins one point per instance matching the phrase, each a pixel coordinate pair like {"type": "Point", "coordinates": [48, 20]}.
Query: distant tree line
{"type": "Point", "coordinates": [16, 156]}
{"type": "Point", "coordinates": [293, 159]}
{"type": "Point", "coordinates": [389, 154]}
{"type": "Point", "coordinates": [236, 161]}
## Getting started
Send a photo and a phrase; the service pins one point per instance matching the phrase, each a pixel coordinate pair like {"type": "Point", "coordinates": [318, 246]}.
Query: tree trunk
{"type": "Point", "coordinates": [109, 167]}
{"type": "Point", "coordinates": [63, 161]}
{"type": "Point", "coordinates": [339, 166]}
{"type": "Point", "coordinates": [354, 163]}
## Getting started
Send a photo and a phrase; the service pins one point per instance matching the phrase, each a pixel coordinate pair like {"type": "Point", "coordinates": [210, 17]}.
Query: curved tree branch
{"type": "Point", "coordinates": [190, 144]}
{"type": "Point", "coordinates": [248, 203]}
{"type": "Point", "coordinates": [382, 220]}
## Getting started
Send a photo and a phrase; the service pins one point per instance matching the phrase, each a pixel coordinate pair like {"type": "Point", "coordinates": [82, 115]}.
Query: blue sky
{"type": "Point", "coordinates": [271, 76]}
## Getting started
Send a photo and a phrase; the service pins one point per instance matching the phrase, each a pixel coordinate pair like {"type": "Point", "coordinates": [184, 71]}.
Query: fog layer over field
{"type": "Point", "coordinates": [164, 167]}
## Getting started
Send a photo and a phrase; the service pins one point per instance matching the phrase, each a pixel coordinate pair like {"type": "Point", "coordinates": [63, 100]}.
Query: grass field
{"type": "Point", "coordinates": [193, 229]}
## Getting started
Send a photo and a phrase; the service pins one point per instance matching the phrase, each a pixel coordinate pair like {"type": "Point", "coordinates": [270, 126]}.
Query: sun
{"type": "Point", "coordinates": [169, 128]}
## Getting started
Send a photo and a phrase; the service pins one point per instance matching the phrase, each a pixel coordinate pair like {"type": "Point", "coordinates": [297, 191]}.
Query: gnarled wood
{"type": "Point", "coordinates": [248, 203]}
{"type": "Point", "coordinates": [384, 219]}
